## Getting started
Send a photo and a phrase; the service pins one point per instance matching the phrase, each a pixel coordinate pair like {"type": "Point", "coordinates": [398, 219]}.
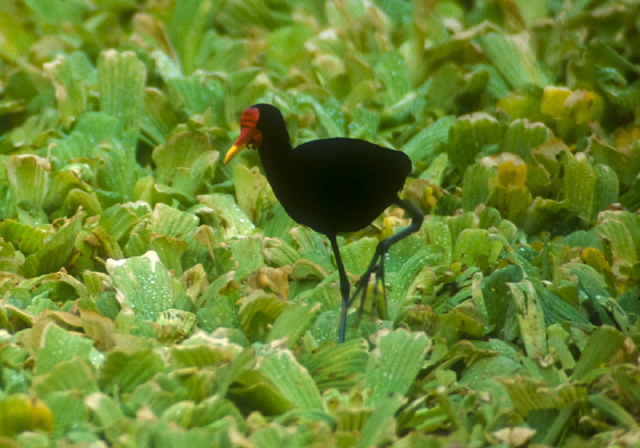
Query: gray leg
{"type": "Point", "coordinates": [377, 262]}
{"type": "Point", "coordinates": [344, 288]}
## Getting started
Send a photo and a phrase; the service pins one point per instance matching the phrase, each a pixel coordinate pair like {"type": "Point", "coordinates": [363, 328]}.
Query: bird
{"type": "Point", "coordinates": [334, 185]}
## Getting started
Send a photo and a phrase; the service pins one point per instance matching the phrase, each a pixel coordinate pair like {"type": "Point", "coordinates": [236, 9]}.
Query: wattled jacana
{"type": "Point", "coordinates": [332, 185]}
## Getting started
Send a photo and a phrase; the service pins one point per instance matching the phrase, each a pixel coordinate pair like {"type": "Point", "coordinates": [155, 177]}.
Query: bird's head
{"type": "Point", "coordinates": [250, 136]}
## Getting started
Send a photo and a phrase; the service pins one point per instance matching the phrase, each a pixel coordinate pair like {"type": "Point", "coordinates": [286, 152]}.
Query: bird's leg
{"type": "Point", "coordinates": [344, 288]}
{"type": "Point", "coordinates": [361, 286]}
{"type": "Point", "coordinates": [377, 262]}
{"type": "Point", "coordinates": [376, 268]}
{"type": "Point", "coordinates": [380, 306]}
{"type": "Point", "coordinates": [362, 290]}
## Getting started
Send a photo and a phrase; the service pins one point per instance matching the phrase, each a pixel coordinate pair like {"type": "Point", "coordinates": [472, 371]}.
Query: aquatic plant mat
{"type": "Point", "coordinates": [152, 297]}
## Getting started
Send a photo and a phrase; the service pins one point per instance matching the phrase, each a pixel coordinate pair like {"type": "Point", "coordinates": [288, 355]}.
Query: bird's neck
{"type": "Point", "coordinates": [275, 151]}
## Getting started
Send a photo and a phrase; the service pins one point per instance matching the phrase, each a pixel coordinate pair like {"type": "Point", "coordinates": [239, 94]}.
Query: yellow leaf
{"type": "Point", "coordinates": [19, 412]}
{"type": "Point", "coordinates": [513, 174]}
{"type": "Point", "coordinates": [596, 259]}
{"type": "Point", "coordinates": [553, 100]}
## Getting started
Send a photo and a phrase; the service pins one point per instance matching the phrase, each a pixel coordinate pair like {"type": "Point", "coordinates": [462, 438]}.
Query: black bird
{"type": "Point", "coordinates": [332, 185]}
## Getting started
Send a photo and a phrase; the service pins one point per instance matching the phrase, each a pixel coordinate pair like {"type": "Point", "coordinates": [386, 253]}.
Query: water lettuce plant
{"type": "Point", "coordinates": [152, 296]}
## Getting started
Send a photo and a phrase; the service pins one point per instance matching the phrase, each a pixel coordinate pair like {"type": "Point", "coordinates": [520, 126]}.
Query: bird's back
{"type": "Point", "coordinates": [340, 184]}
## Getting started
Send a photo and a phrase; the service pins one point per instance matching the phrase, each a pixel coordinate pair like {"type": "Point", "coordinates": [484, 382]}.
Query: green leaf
{"type": "Point", "coordinates": [521, 136]}
{"type": "Point", "coordinates": [558, 339]}
{"type": "Point", "coordinates": [278, 253]}
{"type": "Point", "coordinates": [290, 378]}
{"type": "Point", "coordinates": [544, 213]}
{"type": "Point", "coordinates": [440, 235]}
{"type": "Point", "coordinates": [286, 46]}
{"type": "Point", "coordinates": [622, 235]}
{"type": "Point", "coordinates": [70, 373]}
{"type": "Point", "coordinates": [614, 410]}
{"type": "Point", "coordinates": [60, 12]}
{"type": "Point", "coordinates": [99, 127]}
{"type": "Point", "coordinates": [394, 364]}
{"type": "Point", "coordinates": [514, 58]}
{"type": "Point", "coordinates": [274, 221]}
{"type": "Point", "coordinates": [104, 409]}
{"type": "Point", "coordinates": [631, 199]}
{"type": "Point", "coordinates": [616, 88]}
{"type": "Point", "coordinates": [606, 189]}
{"type": "Point", "coordinates": [248, 255]}
{"type": "Point", "coordinates": [36, 129]}
{"type": "Point", "coordinates": [495, 288]}
{"type": "Point", "coordinates": [379, 427]}
{"type": "Point", "coordinates": [530, 318]}
{"type": "Point", "coordinates": [424, 145]}
{"type": "Point", "coordinates": [531, 394]}
{"type": "Point", "coordinates": [224, 215]}
{"type": "Point", "coordinates": [338, 366]}
{"type": "Point", "coordinates": [159, 116]}
{"type": "Point", "coordinates": [118, 220]}
{"type": "Point", "coordinates": [172, 222]}
{"type": "Point", "coordinates": [143, 283]}
{"type": "Point", "coordinates": [475, 246]}
{"type": "Point", "coordinates": [58, 248]}
{"type": "Point", "coordinates": [470, 135]}
{"type": "Point", "coordinates": [187, 25]}
{"type": "Point", "coordinates": [118, 173]}
{"type": "Point", "coordinates": [251, 189]}
{"type": "Point", "coordinates": [16, 38]}
{"type": "Point", "coordinates": [330, 117]}
{"type": "Point", "coordinates": [25, 238]}
{"type": "Point", "coordinates": [444, 87]}
{"type": "Point", "coordinates": [198, 94]}
{"type": "Point", "coordinates": [174, 325]}
{"type": "Point", "coordinates": [293, 322]}
{"type": "Point", "coordinates": [556, 310]}
{"type": "Point", "coordinates": [11, 260]}
{"type": "Point", "coordinates": [357, 254]}
{"type": "Point", "coordinates": [72, 76]}
{"type": "Point", "coordinates": [403, 282]}
{"type": "Point", "coordinates": [602, 345]}
{"type": "Point", "coordinates": [258, 312]}
{"type": "Point", "coordinates": [504, 361]}
{"type": "Point", "coordinates": [624, 160]}
{"type": "Point", "coordinates": [392, 72]}
{"type": "Point", "coordinates": [183, 162]}
{"type": "Point", "coordinates": [68, 411]}
{"type": "Point", "coordinates": [209, 411]}
{"type": "Point", "coordinates": [313, 247]}
{"type": "Point", "coordinates": [479, 184]}
{"type": "Point", "coordinates": [579, 184]}
{"type": "Point", "coordinates": [122, 371]}
{"type": "Point", "coordinates": [364, 124]}
{"type": "Point", "coordinates": [28, 177]}
{"type": "Point", "coordinates": [202, 350]}
{"type": "Point", "coordinates": [121, 80]}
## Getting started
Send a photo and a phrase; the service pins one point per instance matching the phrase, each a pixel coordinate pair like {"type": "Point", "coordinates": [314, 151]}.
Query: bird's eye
{"type": "Point", "coordinates": [255, 141]}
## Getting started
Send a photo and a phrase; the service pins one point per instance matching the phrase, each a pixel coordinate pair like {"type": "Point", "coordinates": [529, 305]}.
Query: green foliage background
{"type": "Point", "coordinates": [151, 296]}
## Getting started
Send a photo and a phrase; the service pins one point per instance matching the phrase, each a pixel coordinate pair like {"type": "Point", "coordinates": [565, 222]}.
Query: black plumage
{"type": "Point", "coordinates": [332, 185]}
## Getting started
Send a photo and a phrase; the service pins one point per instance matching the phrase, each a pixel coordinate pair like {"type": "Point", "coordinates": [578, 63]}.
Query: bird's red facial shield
{"type": "Point", "coordinates": [249, 136]}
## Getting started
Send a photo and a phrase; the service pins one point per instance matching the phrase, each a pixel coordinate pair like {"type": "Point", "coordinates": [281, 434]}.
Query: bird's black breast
{"type": "Point", "coordinates": [340, 185]}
